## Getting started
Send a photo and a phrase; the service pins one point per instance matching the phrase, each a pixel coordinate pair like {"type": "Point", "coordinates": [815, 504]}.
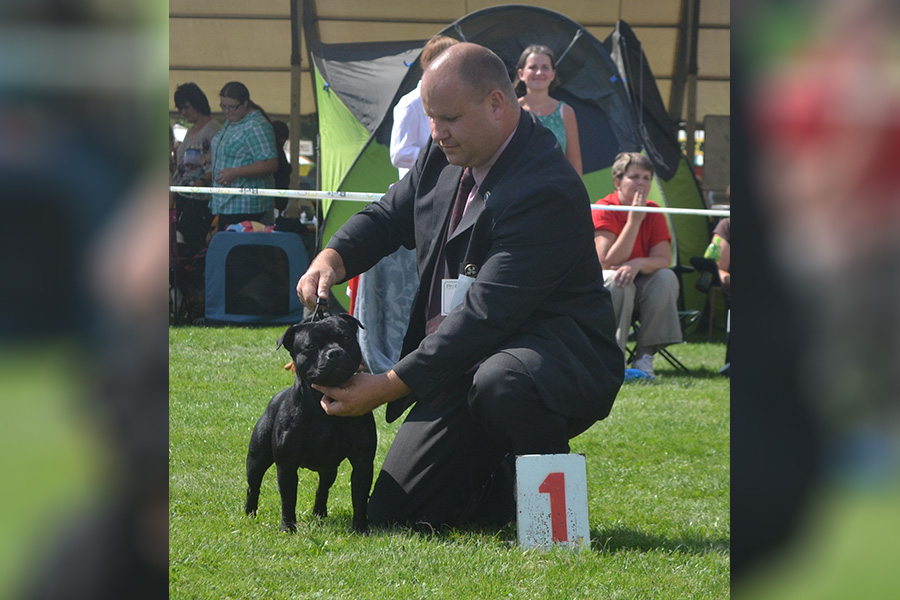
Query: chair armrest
{"type": "Point", "coordinates": [705, 264]}
{"type": "Point", "coordinates": [682, 269]}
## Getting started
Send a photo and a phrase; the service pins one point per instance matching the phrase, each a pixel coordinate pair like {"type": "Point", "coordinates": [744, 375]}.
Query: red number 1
{"type": "Point", "coordinates": [555, 485]}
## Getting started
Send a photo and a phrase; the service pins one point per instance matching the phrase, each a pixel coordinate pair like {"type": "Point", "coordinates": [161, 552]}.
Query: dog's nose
{"type": "Point", "coordinates": [334, 353]}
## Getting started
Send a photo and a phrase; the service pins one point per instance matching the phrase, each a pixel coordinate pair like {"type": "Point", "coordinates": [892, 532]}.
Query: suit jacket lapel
{"type": "Point", "coordinates": [510, 154]}
{"type": "Point", "coordinates": [433, 224]}
{"type": "Point", "coordinates": [476, 207]}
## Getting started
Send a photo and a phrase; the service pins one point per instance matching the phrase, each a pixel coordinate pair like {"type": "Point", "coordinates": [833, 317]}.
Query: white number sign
{"type": "Point", "coordinates": [551, 501]}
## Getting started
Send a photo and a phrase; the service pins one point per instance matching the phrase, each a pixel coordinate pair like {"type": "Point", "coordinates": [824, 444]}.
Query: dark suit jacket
{"type": "Point", "coordinates": [538, 294]}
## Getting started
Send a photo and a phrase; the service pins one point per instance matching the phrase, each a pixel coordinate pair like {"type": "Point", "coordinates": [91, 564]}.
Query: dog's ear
{"type": "Point", "coordinates": [287, 338]}
{"type": "Point", "coordinates": [351, 318]}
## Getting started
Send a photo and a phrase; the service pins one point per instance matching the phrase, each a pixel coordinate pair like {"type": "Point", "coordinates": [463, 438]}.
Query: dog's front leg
{"type": "Point", "coordinates": [287, 487]}
{"type": "Point", "coordinates": [326, 480]}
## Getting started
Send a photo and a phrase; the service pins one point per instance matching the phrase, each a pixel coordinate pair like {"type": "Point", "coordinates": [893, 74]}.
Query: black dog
{"type": "Point", "coordinates": [295, 432]}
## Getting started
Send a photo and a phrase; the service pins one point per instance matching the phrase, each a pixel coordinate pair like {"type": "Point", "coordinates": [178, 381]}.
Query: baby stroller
{"type": "Point", "coordinates": [186, 277]}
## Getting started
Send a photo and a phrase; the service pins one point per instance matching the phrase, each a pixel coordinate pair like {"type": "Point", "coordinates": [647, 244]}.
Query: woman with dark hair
{"type": "Point", "coordinates": [535, 79]}
{"type": "Point", "coordinates": [193, 164]}
{"type": "Point", "coordinates": [244, 156]}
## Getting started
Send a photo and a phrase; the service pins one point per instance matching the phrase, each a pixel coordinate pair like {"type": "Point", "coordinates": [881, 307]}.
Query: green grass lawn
{"type": "Point", "coordinates": [658, 497]}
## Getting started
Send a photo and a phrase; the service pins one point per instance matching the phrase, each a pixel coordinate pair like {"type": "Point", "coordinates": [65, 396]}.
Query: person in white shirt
{"type": "Point", "coordinates": [411, 130]}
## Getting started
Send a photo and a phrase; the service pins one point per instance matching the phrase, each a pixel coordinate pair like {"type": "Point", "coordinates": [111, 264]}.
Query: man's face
{"type": "Point", "coordinates": [463, 125]}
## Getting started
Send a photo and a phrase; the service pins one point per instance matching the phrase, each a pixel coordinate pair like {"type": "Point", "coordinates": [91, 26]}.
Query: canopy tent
{"type": "Point", "coordinates": [264, 44]}
{"type": "Point", "coordinates": [617, 106]}
{"type": "Point", "coordinates": [215, 41]}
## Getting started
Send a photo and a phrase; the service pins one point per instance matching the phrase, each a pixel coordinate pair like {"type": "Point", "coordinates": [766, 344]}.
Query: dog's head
{"type": "Point", "coordinates": [325, 352]}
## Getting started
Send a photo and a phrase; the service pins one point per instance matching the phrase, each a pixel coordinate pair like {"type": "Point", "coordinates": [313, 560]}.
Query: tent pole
{"type": "Point", "coordinates": [296, 74]}
{"type": "Point", "coordinates": [693, 20]}
{"type": "Point", "coordinates": [295, 126]}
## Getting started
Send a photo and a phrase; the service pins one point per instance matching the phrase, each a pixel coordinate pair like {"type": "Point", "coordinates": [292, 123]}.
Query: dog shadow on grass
{"type": "Point", "coordinates": [618, 539]}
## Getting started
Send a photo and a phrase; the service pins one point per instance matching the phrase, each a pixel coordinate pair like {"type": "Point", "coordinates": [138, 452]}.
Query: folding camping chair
{"type": "Point", "coordinates": [686, 318]}
{"type": "Point", "coordinates": [706, 265]}
{"type": "Point", "coordinates": [710, 266]}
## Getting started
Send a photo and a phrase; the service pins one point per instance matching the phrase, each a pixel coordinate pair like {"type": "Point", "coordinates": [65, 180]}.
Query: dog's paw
{"type": "Point", "coordinates": [251, 503]}
{"type": "Point", "coordinates": [288, 527]}
{"type": "Point", "coordinates": [361, 527]}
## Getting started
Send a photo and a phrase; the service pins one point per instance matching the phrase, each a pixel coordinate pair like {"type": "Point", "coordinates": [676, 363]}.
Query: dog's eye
{"type": "Point", "coordinates": [313, 342]}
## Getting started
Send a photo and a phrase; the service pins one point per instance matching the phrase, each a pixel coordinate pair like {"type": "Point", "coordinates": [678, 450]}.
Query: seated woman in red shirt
{"type": "Point", "coordinates": [635, 251]}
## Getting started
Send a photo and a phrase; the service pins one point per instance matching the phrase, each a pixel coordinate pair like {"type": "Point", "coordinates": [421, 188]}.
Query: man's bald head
{"type": "Point", "coordinates": [477, 67]}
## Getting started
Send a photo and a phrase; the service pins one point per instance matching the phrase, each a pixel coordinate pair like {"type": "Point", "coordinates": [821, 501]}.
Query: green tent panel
{"type": "Point", "coordinates": [367, 175]}
{"type": "Point", "coordinates": [356, 84]}
{"type": "Point", "coordinates": [692, 231]}
{"type": "Point", "coordinates": [341, 137]}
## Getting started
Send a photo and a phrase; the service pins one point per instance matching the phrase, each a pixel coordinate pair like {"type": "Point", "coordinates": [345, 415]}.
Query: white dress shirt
{"type": "Point", "coordinates": [410, 132]}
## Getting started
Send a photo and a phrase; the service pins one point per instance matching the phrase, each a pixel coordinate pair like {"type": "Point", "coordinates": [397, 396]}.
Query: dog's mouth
{"type": "Point", "coordinates": [332, 376]}
{"type": "Point", "coordinates": [331, 370]}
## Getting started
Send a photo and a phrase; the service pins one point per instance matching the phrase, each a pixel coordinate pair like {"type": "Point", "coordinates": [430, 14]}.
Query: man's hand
{"type": "Point", "coordinates": [362, 394]}
{"type": "Point", "coordinates": [326, 269]}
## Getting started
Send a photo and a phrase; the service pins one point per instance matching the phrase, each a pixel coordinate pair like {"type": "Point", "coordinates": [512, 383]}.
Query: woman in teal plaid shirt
{"type": "Point", "coordinates": [243, 156]}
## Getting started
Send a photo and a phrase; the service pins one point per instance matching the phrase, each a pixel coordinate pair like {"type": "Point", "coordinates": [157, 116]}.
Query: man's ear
{"type": "Point", "coordinates": [497, 100]}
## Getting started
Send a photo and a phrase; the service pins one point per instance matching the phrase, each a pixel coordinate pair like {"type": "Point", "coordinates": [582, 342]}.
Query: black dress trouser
{"type": "Point", "coordinates": [452, 460]}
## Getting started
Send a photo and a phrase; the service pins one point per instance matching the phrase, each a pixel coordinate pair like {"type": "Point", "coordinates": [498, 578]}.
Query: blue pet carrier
{"type": "Point", "coordinates": [252, 277]}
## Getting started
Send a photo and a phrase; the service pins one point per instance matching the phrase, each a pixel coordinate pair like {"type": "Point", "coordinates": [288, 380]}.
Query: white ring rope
{"type": "Point", "coordinates": [369, 197]}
